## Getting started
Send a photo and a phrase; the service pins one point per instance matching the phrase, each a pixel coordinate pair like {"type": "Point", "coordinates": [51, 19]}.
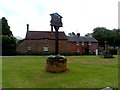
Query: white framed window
{"type": "Point", "coordinates": [78, 50]}
{"type": "Point", "coordinates": [83, 43]}
{"type": "Point", "coordinates": [77, 43]}
{"type": "Point", "coordinates": [29, 48]}
{"type": "Point", "coordinates": [45, 49]}
{"type": "Point", "coordinates": [90, 43]}
{"type": "Point", "coordinates": [46, 40]}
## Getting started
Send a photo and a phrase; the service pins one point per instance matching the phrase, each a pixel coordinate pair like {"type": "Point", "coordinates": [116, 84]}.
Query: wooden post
{"type": "Point", "coordinates": [56, 40]}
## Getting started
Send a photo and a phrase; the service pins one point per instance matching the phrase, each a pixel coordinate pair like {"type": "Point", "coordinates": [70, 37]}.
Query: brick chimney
{"type": "Point", "coordinates": [78, 34]}
{"type": "Point", "coordinates": [27, 27]}
{"type": "Point", "coordinates": [27, 30]}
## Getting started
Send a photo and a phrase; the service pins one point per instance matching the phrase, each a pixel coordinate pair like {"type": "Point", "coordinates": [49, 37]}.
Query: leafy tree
{"type": "Point", "coordinates": [117, 38]}
{"type": "Point", "coordinates": [0, 38]}
{"type": "Point", "coordinates": [111, 36]}
{"type": "Point", "coordinates": [6, 28]}
{"type": "Point", "coordinates": [8, 40]}
{"type": "Point", "coordinates": [0, 26]}
{"type": "Point", "coordinates": [101, 34]}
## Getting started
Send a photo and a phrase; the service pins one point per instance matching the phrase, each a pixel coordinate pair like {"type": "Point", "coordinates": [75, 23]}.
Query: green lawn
{"type": "Point", "coordinates": [83, 72]}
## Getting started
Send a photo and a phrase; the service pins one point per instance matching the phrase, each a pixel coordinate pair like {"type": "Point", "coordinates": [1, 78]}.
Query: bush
{"type": "Point", "coordinates": [8, 45]}
{"type": "Point", "coordinates": [113, 51]}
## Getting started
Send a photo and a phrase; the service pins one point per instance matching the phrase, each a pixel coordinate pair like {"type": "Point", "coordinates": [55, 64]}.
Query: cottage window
{"type": "Point", "coordinates": [45, 49]}
{"type": "Point", "coordinates": [82, 43]}
{"type": "Point", "coordinates": [77, 43]}
{"type": "Point", "coordinates": [46, 40]}
{"type": "Point", "coordinates": [29, 48]}
{"type": "Point", "coordinates": [90, 43]}
{"type": "Point", "coordinates": [78, 50]}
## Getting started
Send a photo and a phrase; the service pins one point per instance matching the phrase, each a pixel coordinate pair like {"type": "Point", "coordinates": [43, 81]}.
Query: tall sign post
{"type": "Point", "coordinates": [56, 63]}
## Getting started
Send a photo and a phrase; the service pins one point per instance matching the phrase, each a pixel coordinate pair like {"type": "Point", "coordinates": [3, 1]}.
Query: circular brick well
{"type": "Point", "coordinates": [56, 64]}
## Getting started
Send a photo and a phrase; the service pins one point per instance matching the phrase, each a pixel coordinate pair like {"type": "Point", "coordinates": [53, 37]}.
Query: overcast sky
{"type": "Point", "coordinates": [79, 16]}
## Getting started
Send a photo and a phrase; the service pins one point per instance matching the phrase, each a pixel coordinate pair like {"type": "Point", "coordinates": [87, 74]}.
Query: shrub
{"type": "Point", "coordinates": [113, 51]}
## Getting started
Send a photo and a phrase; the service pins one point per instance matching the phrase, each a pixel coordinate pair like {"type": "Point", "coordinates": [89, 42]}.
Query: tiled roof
{"type": "Point", "coordinates": [35, 35]}
{"type": "Point", "coordinates": [81, 39]}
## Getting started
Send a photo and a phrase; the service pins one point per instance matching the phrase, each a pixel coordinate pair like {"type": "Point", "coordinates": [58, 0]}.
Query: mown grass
{"type": "Point", "coordinates": [83, 72]}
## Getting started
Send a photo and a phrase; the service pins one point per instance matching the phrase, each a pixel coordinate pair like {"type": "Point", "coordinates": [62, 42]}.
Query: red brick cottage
{"type": "Point", "coordinates": [43, 42]}
{"type": "Point", "coordinates": [82, 44]}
